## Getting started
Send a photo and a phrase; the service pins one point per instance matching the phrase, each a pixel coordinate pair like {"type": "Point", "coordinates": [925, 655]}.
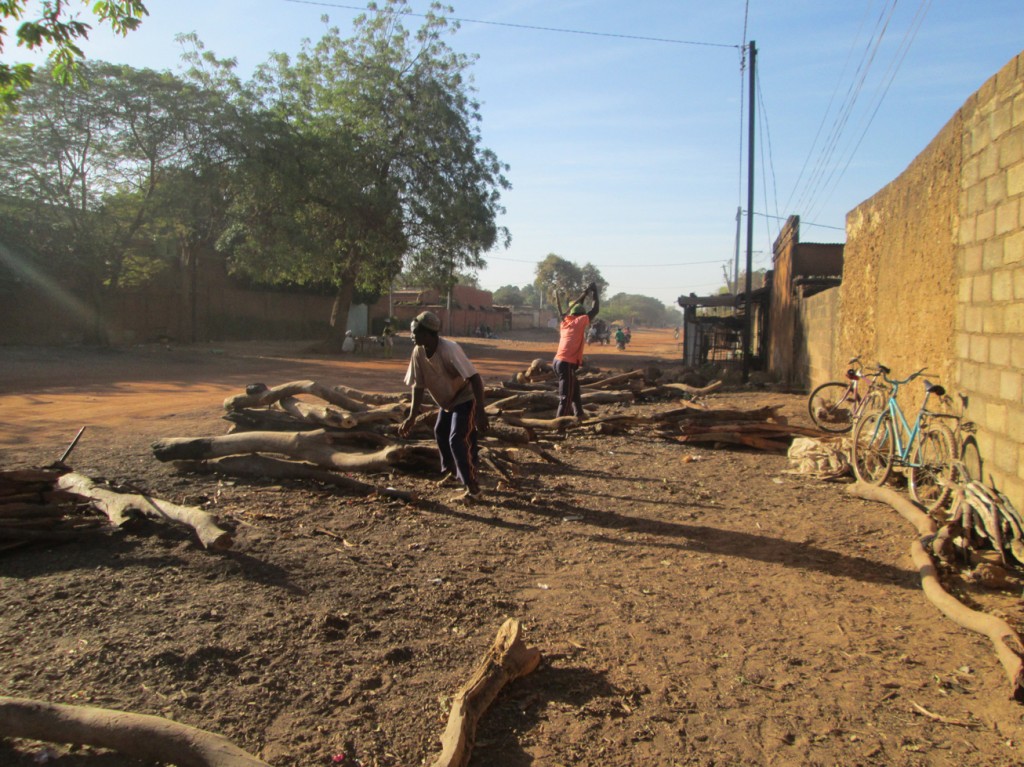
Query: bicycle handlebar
{"type": "Point", "coordinates": [895, 382]}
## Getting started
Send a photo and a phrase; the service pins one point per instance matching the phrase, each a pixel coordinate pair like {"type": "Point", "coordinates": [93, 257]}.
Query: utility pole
{"type": "Point", "coordinates": [747, 323]}
{"type": "Point", "coordinates": [735, 285]}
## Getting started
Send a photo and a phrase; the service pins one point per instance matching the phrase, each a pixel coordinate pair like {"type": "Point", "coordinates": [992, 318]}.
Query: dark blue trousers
{"type": "Point", "coordinates": [570, 398]}
{"type": "Point", "coordinates": [455, 432]}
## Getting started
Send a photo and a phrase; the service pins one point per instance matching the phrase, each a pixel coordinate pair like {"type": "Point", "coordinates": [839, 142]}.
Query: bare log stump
{"type": "Point", "coordinates": [508, 659]}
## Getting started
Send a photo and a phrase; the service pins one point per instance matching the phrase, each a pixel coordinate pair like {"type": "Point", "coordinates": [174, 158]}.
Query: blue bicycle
{"type": "Point", "coordinates": [926, 452]}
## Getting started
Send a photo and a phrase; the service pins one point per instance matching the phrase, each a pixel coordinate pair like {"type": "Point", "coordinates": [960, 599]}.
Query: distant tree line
{"type": "Point", "coordinates": [557, 275]}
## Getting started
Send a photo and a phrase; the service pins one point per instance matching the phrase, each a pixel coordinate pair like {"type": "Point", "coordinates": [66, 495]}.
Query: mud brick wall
{"type": "Point", "coordinates": [989, 319]}
{"type": "Point", "coordinates": [934, 271]}
{"type": "Point", "coordinates": [820, 355]}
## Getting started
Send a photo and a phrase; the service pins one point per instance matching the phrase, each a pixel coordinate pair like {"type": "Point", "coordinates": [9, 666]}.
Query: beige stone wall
{"type": "Point", "coordinates": [934, 271]}
{"type": "Point", "coordinates": [899, 275]}
{"type": "Point", "coordinates": [989, 317]}
{"type": "Point", "coordinates": [820, 314]}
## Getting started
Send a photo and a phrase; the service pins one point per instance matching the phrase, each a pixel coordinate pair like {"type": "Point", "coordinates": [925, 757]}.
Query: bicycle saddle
{"type": "Point", "coordinates": [936, 389]}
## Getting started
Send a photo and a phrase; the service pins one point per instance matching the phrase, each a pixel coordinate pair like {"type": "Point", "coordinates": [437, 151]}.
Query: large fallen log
{"type": "Point", "coordinates": [316, 447]}
{"type": "Point", "coordinates": [1008, 646]}
{"type": "Point", "coordinates": [372, 397]}
{"type": "Point", "coordinates": [121, 508]}
{"type": "Point", "coordinates": [265, 466]}
{"type": "Point", "coordinates": [508, 659]}
{"type": "Point", "coordinates": [139, 735]}
{"type": "Point", "coordinates": [259, 395]}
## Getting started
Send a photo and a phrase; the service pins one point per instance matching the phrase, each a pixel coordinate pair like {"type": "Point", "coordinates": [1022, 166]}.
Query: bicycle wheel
{"type": "Point", "coordinates": [873, 448]}
{"type": "Point", "coordinates": [831, 407]}
{"type": "Point", "coordinates": [933, 466]}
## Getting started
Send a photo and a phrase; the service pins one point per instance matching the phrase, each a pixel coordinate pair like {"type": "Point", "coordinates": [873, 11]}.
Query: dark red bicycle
{"type": "Point", "coordinates": [835, 406]}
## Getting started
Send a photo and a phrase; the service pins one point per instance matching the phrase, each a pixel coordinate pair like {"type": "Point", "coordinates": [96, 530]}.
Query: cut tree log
{"type": "Point", "coordinates": [508, 659]}
{"type": "Point", "coordinates": [121, 508]}
{"type": "Point", "coordinates": [315, 447]}
{"type": "Point", "coordinates": [320, 415]}
{"type": "Point", "coordinates": [151, 738]}
{"type": "Point", "coordinates": [1008, 646]}
{"type": "Point", "coordinates": [695, 390]}
{"type": "Point", "coordinates": [265, 466]}
{"type": "Point", "coordinates": [259, 395]}
{"type": "Point", "coordinates": [544, 424]}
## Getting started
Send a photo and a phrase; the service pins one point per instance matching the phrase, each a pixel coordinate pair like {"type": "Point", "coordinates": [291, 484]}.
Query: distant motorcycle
{"type": "Point", "coordinates": [600, 333]}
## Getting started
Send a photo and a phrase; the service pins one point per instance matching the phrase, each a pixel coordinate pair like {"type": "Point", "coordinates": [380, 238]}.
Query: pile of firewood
{"type": "Point", "coordinates": [57, 505]}
{"type": "Point", "coordinates": [980, 517]}
{"type": "Point", "coordinates": [34, 510]}
{"type": "Point", "coordinates": [276, 434]}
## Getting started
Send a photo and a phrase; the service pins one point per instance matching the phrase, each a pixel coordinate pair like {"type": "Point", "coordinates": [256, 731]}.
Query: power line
{"type": "Point", "coordinates": [532, 27]}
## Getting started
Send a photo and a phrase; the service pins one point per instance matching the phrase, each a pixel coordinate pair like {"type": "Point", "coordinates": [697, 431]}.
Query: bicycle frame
{"type": "Point", "coordinates": [901, 426]}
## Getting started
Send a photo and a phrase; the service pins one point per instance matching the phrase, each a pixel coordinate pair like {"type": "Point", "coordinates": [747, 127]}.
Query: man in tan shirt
{"type": "Point", "coordinates": [439, 366]}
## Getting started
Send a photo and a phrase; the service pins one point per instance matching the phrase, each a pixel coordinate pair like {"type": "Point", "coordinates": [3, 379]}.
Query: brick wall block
{"type": "Point", "coordinates": [1002, 286]}
{"type": "Point", "coordinates": [995, 416]}
{"type": "Point", "coordinates": [1007, 455]}
{"type": "Point", "coordinates": [1015, 180]}
{"type": "Point", "coordinates": [1008, 216]}
{"type": "Point", "coordinates": [1017, 354]}
{"type": "Point", "coordinates": [981, 288]}
{"type": "Point", "coordinates": [1010, 386]}
{"type": "Point", "coordinates": [1013, 248]}
{"type": "Point", "coordinates": [999, 349]}
{"type": "Point", "coordinates": [992, 255]}
{"type": "Point", "coordinates": [992, 319]}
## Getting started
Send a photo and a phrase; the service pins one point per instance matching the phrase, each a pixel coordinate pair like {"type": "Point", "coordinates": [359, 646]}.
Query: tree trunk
{"type": "Point", "coordinates": [339, 311]}
{"type": "Point", "coordinates": [146, 737]}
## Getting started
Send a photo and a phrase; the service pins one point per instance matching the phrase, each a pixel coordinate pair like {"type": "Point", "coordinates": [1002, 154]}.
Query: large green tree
{"type": "Point", "coordinates": [558, 275]}
{"type": "Point", "coordinates": [81, 167]}
{"type": "Point", "coordinates": [366, 155]}
{"type": "Point", "coordinates": [57, 29]}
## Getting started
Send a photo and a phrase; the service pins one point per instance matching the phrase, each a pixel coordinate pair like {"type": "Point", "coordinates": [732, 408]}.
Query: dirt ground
{"type": "Point", "coordinates": [693, 606]}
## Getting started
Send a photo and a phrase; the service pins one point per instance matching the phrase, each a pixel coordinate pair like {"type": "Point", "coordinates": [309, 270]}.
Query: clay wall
{"type": "Point", "coordinates": [934, 271]}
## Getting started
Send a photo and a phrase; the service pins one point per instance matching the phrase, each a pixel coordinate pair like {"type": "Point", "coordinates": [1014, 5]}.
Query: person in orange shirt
{"type": "Point", "coordinates": [572, 335]}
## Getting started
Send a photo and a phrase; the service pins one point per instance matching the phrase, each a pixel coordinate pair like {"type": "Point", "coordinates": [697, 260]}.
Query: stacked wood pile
{"type": "Point", "coordinates": [980, 517]}
{"type": "Point", "coordinates": [58, 505]}
{"type": "Point", "coordinates": [276, 433]}
{"type": "Point", "coordinates": [34, 510]}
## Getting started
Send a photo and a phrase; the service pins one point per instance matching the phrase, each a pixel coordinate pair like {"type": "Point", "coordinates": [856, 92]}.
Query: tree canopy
{"type": "Point", "coordinates": [57, 29]}
{"type": "Point", "coordinates": [358, 156]}
{"type": "Point", "coordinates": [557, 275]}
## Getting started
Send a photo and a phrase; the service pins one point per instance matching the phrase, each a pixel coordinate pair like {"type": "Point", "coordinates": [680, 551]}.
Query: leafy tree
{"type": "Point", "coordinates": [556, 274]}
{"type": "Point", "coordinates": [531, 296]}
{"type": "Point", "coordinates": [59, 30]}
{"type": "Point", "coordinates": [639, 310]}
{"type": "Point", "coordinates": [87, 163]}
{"type": "Point", "coordinates": [509, 295]}
{"type": "Point", "coordinates": [364, 153]}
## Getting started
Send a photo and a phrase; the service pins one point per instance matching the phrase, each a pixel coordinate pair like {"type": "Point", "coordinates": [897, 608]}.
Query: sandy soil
{"type": "Point", "coordinates": [693, 606]}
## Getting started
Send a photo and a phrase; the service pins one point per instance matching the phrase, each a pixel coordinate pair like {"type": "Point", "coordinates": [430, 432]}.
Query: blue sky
{"type": "Point", "coordinates": [625, 151]}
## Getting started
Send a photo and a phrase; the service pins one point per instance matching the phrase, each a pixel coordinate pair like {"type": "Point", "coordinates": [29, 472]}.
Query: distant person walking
{"type": "Point", "coordinates": [569, 357]}
{"type": "Point", "coordinates": [388, 334]}
{"type": "Point", "coordinates": [440, 367]}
